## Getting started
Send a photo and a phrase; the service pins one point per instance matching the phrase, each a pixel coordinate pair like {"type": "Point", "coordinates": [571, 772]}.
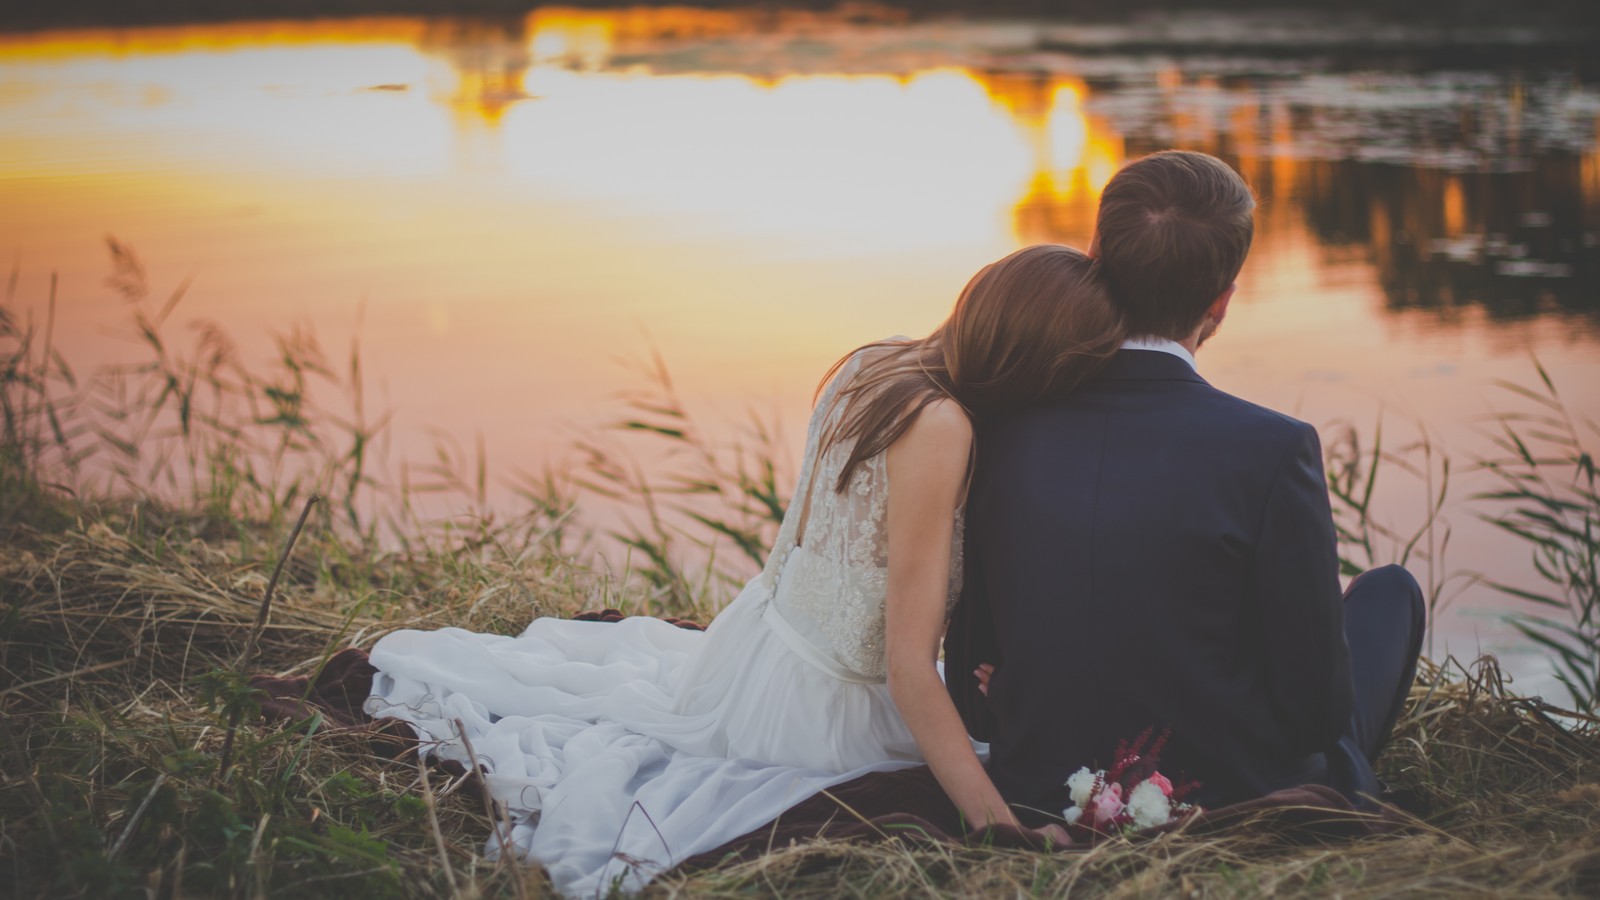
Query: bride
{"type": "Point", "coordinates": [620, 749]}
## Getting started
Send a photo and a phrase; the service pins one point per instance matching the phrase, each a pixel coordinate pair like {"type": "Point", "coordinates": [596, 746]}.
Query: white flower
{"type": "Point", "coordinates": [1081, 784]}
{"type": "Point", "coordinates": [1149, 806]}
{"type": "Point", "coordinates": [1072, 814]}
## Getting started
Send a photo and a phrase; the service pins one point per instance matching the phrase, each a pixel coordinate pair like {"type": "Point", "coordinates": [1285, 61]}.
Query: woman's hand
{"type": "Point", "coordinates": [1054, 835]}
{"type": "Point", "coordinates": [983, 673]}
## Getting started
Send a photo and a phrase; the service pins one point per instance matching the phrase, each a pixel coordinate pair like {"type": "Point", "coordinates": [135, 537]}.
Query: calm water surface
{"type": "Point", "coordinates": [520, 204]}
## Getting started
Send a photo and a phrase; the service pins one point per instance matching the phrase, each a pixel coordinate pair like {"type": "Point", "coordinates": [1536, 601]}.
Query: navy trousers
{"type": "Point", "coordinates": [1385, 617]}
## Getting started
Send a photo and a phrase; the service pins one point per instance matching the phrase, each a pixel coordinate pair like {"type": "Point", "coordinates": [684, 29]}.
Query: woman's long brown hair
{"type": "Point", "coordinates": [1026, 330]}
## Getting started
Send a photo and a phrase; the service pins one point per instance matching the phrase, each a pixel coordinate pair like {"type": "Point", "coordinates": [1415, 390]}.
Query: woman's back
{"type": "Point", "coordinates": [831, 565]}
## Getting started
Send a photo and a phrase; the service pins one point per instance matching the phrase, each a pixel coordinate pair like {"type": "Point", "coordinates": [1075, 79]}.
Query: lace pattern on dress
{"type": "Point", "coordinates": [839, 584]}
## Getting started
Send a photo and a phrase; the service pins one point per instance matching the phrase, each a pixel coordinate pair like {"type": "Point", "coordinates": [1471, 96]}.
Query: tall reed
{"type": "Point", "coordinates": [1356, 464]}
{"type": "Point", "coordinates": [1549, 497]}
{"type": "Point", "coordinates": [701, 499]}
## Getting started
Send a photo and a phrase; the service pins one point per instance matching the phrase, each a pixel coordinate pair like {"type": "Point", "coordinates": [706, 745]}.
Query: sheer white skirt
{"type": "Point", "coordinates": [623, 748]}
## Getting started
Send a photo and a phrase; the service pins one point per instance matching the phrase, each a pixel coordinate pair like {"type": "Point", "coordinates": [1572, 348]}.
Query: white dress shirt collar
{"type": "Point", "coordinates": [1162, 345]}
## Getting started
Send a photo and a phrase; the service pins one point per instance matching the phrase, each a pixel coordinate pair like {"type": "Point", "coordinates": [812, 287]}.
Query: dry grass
{"type": "Point", "coordinates": [116, 628]}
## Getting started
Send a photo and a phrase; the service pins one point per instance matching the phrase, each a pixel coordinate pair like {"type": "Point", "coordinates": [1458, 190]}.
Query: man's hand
{"type": "Point", "coordinates": [983, 674]}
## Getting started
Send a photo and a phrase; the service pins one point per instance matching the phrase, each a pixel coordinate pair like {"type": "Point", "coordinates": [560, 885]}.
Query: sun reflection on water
{"type": "Point", "coordinates": [856, 163]}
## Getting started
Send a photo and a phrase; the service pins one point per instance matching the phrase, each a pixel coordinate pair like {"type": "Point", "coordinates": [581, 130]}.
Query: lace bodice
{"type": "Point", "coordinates": [829, 583]}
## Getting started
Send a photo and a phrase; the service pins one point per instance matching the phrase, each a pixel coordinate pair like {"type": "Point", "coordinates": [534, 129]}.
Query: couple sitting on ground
{"type": "Point", "coordinates": [1103, 545]}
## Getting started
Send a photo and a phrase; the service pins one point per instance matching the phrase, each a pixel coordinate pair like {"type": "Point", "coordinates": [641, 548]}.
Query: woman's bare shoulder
{"type": "Point", "coordinates": [945, 418]}
{"type": "Point", "coordinates": [941, 426]}
{"type": "Point", "coordinates": [933, 455]}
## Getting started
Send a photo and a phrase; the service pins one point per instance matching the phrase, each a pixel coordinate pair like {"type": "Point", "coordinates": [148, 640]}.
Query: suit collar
{"type": "Point", "coordinates": [1149, 365]}
{"type": "Point", "coordinates": [1165, 345]}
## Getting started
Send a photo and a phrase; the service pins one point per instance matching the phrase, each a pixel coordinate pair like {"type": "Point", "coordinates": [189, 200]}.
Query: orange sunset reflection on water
{"type": "Point", "coordinates": [517, 204]}
{"type": "Point", "coordinates": [540, 187]}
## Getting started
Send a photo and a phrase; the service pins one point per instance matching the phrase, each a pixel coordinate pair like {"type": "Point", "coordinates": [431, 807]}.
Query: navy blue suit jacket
{"type": "Point", "coordinates": [1152, 552]}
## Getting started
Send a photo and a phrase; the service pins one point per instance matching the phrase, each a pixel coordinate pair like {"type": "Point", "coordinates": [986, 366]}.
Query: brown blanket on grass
{"type": "Point", "coordinates": [337, 691]}
{"type": "Point", "coordinates": [909, 807]}
{"type": "Point", "coordinates": [906, 805]}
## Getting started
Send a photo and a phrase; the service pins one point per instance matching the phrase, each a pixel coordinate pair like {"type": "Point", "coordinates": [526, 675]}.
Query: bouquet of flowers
{"type": "Point", "coordinates": [1131, 795]}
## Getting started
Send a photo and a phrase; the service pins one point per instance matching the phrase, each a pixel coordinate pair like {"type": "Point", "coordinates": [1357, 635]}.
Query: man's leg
{"type": "Point", "coordinates": [1383, 624]}
{"type": "Point", "coordinates": [1384, 621]}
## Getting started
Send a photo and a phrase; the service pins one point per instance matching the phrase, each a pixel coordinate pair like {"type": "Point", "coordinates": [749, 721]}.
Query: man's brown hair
{"type": "Point", "coordinates": [1173, 231]}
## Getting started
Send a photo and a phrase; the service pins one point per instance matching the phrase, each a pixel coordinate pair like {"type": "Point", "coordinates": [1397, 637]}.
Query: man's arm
{"type": "Point", "coordinates": [1296, 584]}
{"type": "Point", "coordinates": [969, 642]}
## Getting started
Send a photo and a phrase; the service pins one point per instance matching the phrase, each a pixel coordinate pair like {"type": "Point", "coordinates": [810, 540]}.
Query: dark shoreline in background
{"type": "Point", "coordinates": [1565, 15]}
{"type": "Point", "coordinates": [1431, 35]}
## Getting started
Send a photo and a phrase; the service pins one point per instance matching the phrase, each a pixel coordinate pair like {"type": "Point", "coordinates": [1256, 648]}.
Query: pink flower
{"type": "Point", "coordinates": [1108, 805]}
{"type": "Point", "coordinates": [1160, 781]}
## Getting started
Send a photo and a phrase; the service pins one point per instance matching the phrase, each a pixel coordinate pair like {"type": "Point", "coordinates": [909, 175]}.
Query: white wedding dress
{"type": "Point", "coordinates": [621, 749]}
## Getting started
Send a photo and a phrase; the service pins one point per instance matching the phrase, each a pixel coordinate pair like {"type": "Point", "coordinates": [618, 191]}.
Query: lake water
{"type": "Point", "coordinates": [519, 204]}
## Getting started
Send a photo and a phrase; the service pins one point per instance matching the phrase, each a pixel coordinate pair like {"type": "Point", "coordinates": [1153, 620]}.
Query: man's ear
{"type": "Point", "coordinates": [1219, 307]}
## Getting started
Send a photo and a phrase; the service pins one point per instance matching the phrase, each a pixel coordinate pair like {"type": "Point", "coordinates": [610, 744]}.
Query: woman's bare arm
{"type": "Point", "coordinates": [927, 474]}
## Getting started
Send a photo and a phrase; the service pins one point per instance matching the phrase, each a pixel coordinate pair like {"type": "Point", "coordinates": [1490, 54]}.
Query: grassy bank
{"type": "Point", "coordinates": [144, 512]}
{"type": "Point", "coordinates": [123, 623]}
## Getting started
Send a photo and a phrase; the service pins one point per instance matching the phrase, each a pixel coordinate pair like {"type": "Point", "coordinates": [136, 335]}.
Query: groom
{"type": "Point", "coordinates": [1154, 552]}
